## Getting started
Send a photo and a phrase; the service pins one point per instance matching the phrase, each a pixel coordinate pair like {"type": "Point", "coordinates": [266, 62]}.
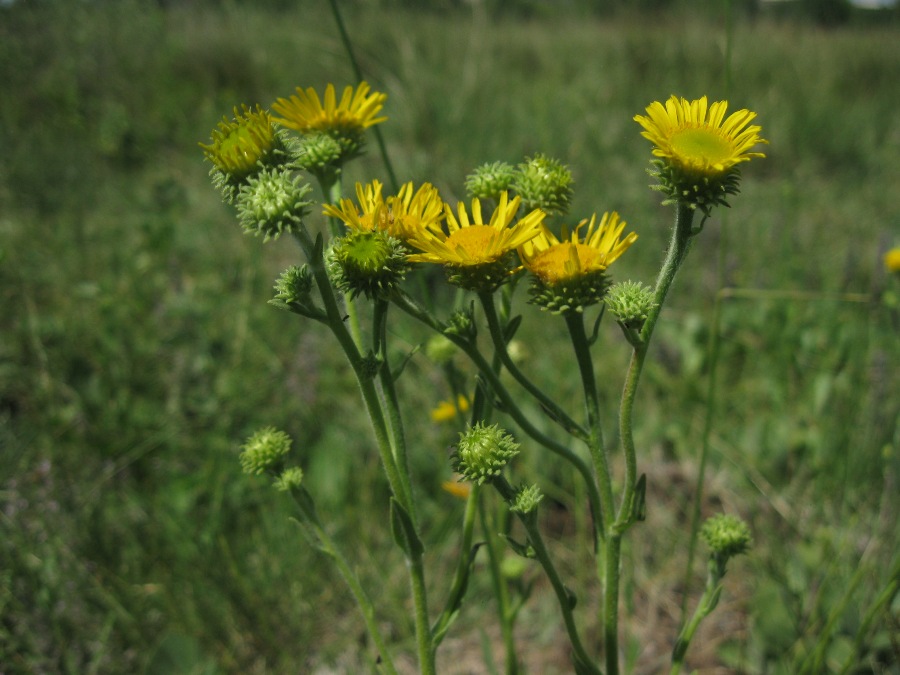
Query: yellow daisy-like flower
{"type": "Point", "coordinates": [355, 112]}
{"type": "Point", "coordinates": [555, 260]}
{"type": "Point", "coordinates": [473, 242]}
{"type": "Point", "coordinates": [446, 411]}
{"type": "Point", "coordinates": [696, 137]}
{"type": "Point", "coordinates": [892, 260]}
{"type": "Point", "coordinates": [240, 144]}
{"type": "Point", "coordinates": [400, 216]}
{"type": "Point", "coordinates": [475, 253]}
{"type": "Point", "coordinates": [457, 489]}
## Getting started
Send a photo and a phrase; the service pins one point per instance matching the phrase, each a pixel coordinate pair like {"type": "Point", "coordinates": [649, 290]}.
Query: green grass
{"type": "Point", "coordinates": [138, 352]}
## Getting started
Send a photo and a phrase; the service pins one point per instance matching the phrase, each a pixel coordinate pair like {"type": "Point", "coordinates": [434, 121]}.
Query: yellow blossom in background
{"type": "Point", "coordinates": [696, 137]}
{"type": "Point", "coordinates": [470, 243]}
{"type": "Point", "coordinates": [355, 112]}
{"type": "Point", "coordinates": [892, 260]}
{"type": "Point", "coordinates": [239, 145]}
{"type": "Point", "coordinates": [446, 411]}
{"type": "Point", "coordinates": [460, 490]}
{"type": "Point", "coordinates": [555, 260]}
{"type": "Point", "coordinates": [399, 216]}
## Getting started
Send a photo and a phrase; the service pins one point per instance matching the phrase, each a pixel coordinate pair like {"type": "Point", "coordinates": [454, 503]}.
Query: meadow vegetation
{"type": "Point", "coordinates": [138, 350]}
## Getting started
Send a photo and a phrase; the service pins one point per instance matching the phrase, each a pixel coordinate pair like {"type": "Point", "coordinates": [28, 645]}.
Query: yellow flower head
{"type": "Point", "coordinates": [400, 216]}
{"type": "Point", "coordinates": [475, 253]}
{"type": "Point", "coordinates": [446, 411]}
{"type": "Point", "coordinates": [356, 111]}
{"type": "Point", "coordinates": [555, 260]}
{"type": "Point", "coordinates": [892, 260]}
{"type": "Point", "coordinates": [696, 137]}
{"type": "Point", "coordinates": [240, 144]}
{"type": "Point", "coordinates": [457, 489]}
{"type": "Point", "coordinates": [471, 243]}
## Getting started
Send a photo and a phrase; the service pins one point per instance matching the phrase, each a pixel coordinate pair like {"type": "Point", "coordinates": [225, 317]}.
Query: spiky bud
{"type": "Point", "coordinates": [726, 536]}
{"type": "Point", "coordinates": [544, 183]}
{"type": "Point", "coordinates": [367, 262]}
{"type": "Point", "coordinates": [489, 180]}
{"type": "Point", "coordinates": [264, 451]}
{"type": "Point", "coordinates": [630, 302]}
{"type": "Point", "coordinates": [527, 499]}
{"type": "Point", "coordinates": [289, 479]}
{"type": "Point", "coordinates": [294, 285]}
{"type": "Point", "coordinates": [272, 202]}
{"type": "Point", "coordinates": [482, 452]}
{"type": "Point", "coordinates": [319, 154]}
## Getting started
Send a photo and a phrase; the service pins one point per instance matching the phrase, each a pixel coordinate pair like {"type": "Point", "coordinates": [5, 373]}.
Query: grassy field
{"type": "Point", "coordinates": [138, 351]}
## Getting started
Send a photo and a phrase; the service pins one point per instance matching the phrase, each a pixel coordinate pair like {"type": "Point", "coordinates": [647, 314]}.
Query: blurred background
{"type": "Point", "coordinates": [137, 349]}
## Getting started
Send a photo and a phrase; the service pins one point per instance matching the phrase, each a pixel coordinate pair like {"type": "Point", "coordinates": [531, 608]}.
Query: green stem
{"type": "Point", "coordinates": [326, 544]}
{"type": "Point", "coordinates": [707, 604]}
{"type": "Point", "coordinates": [380, 427]}
{"type": "Point", "coordinates": [391, 402]}
{"type": "Point", "coordinates": [510, 406]}
{"type": "Point", "coordinates": [564, 597]}
{"type": "Point", "coordinates": [501, 592]}
{"type": "Point", "coordinates": [678, 248]}
{"type": "Point", "coordinates": [575, 324]}
{"type": "Point", "coordinates": [331, 188]}
{"type": "Point", "coordinates": [357, 71]}
{"type": "Point", "coordinates": [463, 567]}
{"type": "Point", "coordinates": [549, 406]}
{"type": "Point", "coordinates": [611, 603]}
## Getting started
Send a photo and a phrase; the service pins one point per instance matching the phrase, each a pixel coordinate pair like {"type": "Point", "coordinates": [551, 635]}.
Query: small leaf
{"type": "Point", "coordinates": [404, 532]}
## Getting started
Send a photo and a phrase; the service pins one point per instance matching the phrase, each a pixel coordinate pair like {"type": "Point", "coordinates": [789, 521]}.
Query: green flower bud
{"type": "Point", "coordinates": [264, 451]}
{"type": "Point", "coordinates": [527, 499]}
{"type": "Point", "coordinates": [462, 324]}
{"type": "Point", "coordinates": [489, 180]}
{"type": "Point", "coordinates": [726, 536]}
{"type": "Point", "coordinates": [367, 262]}
{"type": "Point", "coordinates": [482, 452]}
{"type": "Point", "coordinates": [319, 154]}
{"type": "Point", "coordinates": [289, 479]}
{"type": "Point", "coordinates": [271, 203]}
{"type": "Point", "coordinates": [630, 302]}
{"type": "Point", "coordinates": [294, 285]}
{"type": "Point", "coordinates": [544, 183]}
{"type": "Point", "coordinates": [440, 349]}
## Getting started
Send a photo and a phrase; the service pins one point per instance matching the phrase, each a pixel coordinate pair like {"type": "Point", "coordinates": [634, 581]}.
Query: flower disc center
{"type": "Point", "coordinates": [701, 146]}
{"type": "Point", "coordinates": [564, 261]}
{"type": "Point", "coordinates": [475, 242]}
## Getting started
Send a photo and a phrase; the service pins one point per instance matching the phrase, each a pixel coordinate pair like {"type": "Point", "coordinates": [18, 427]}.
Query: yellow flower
{"type": "Point", "coordinates": [695, 137]}
{"type": "Point", "coordinates": [356, 111]}
{"type": "Point", "coordinates": [892, 260]}
{"type": "Point", "coordinates": [239, 145]}
{"type": "Point", "coordinates": [400, 216]}
{"type": "Point", "coordinates": [446, 411]}
{"type": "Point", "coordinates": [476, 243]}
{"type": "Point", "coordinates": [457, 489]}
{"type": "Point", "coordinates": [555, 260]}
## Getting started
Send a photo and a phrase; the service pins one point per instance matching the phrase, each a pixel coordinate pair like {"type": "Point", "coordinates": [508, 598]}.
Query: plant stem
{"type": "Point", "coordinates": [326, 544]}
{"type": "Point", "coordinates": [501, 592]}
{"type": "Point", "coordinates": [707, 604]}
{"type": "Point", "coordinates": [391, 402]}
{"type": "Point", "coordinates": [678, 248]}
{"type": "Point", "coordinates": [550, 406]}
{"type": "Point", "coordinates": [373, 405]}
{"type": "Point", "coordinates": [357, 71]}
{"type": "Point", "coordinates": [564, 597]}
